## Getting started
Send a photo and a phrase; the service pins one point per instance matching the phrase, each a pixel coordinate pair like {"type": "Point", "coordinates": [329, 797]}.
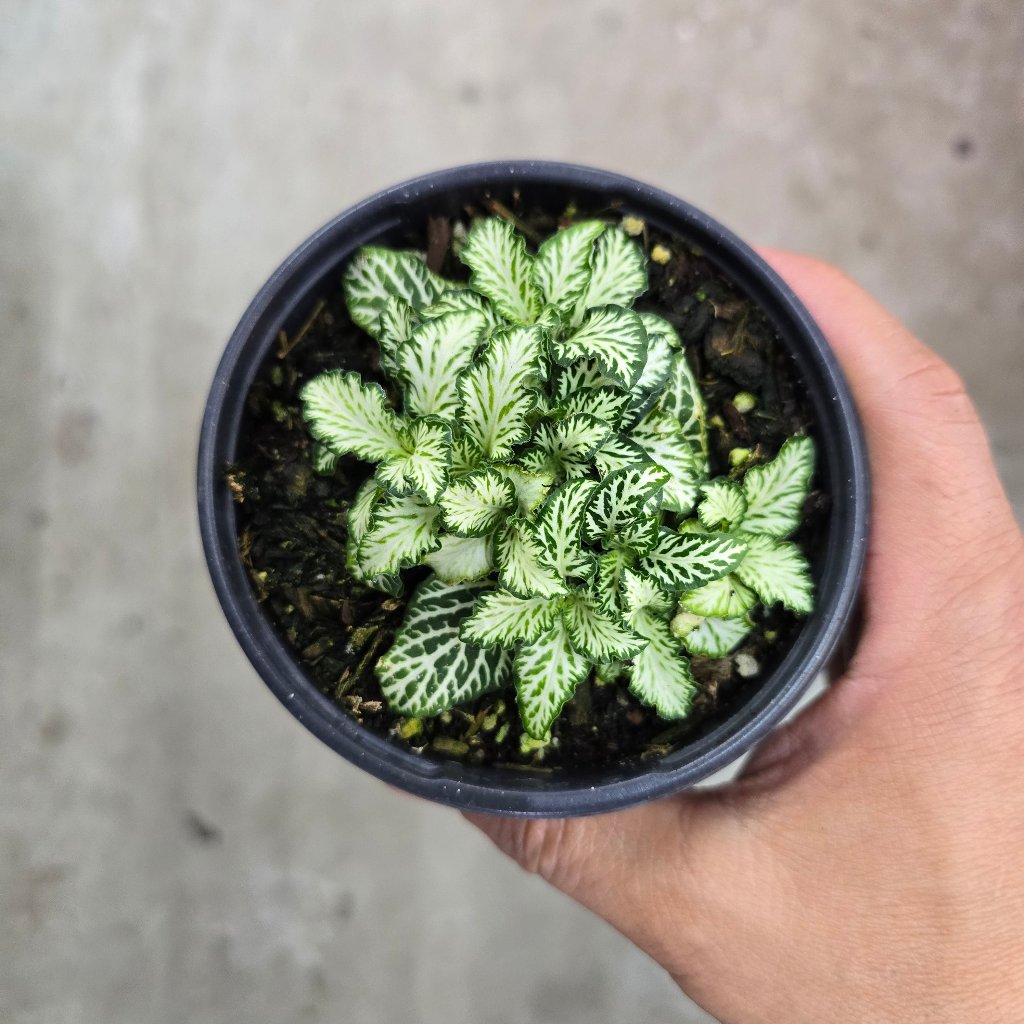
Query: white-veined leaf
{"type": "Point", "coordinates": [608, 583]}
{"type": "Point", "coordinates": [569, 443]}
{"type": "Point", "coordinates": [682, 399]}
{"type": "Point", "coordinates": [684, 561]}
{"type": "Point", "coordinates": [726, 598]}
{"type": "Point", "coordinates": [502, 619]}
{"type": "Point", "coordinates": [496, 393]}
{"type": "Point", "coordinates": [376, 274]}
{"type": "Point", "coordinates": [502, 269]}
{"type": "Point", "coordinates": [715, 638]}
{"type": "Point", "coordinates": [559, 527]}
{"type": "Point", "coordinates": [639, 535]}
{"type": "Point", "coordinates": [478, 503]}
{"type": "Point", "coordinates": [349, 416]}
{"type": "Point", "coordinates": [723, 505]}
{"type": "Point", "coordinates": [428, 669]}
{"type": "Point", "coordinates": [659, 355]}
{"type": "Point", "coordinates": [604, 403]}
{"type": "Point", "coordinates": [595, 633]}
{"type": "Point", "coordinates": [660, 675]}
{"type": "Point", "coordinates": [547, 672]}
{"type": "Point", "coordinates": [618, 272]}
{"type": "Point", "coordinates": [775, 492]}
{"type": "Point", "coordinates": [423, 467]}
{"type": "Point", "coordinates": [618, 452]}
{"type": "Point", "coordinates": [531, 488]}
{"type": "Point", "coordinates": [662, 442]}
{"type": "Point", "coordinates": [402, 529]}
{"type": "Point", "coordinates": [659, 325]}
{"type": "Point", "coordinates": [778, 573]}
{"type": "Point", "coordinates": [462, 559]}
{"type": "Point", "coordinates": [430, 362]}
{"type": "Point", "coordinates": [582, 375]}
{"type": "Point", "coordinates": [640, 593]}
{"type": "Point", "coordinates": [324, 460]}
{"type": "Point", "coordinates": [466, 457]}
{"type": "Point", "coordinates": [614, 337]}
{"type": "Point", "coordinates": [622, 499]}
{"type": "Point", "coordinates": [562, 267]}
{"type": "Point", "coordinates": [397, 320]}
{"type": "Point", "coordinates": [462, 300]}
{"type": "Point", "coordinates": [359, 515]}
{"type": "Point", "coordinates": [522, 568]}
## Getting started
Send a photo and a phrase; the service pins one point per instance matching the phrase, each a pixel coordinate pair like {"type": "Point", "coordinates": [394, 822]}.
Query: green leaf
{"type": "Point", "coordinates": [428, 669]}
{"type": "Point", "coordinates": [660, 354]}
{"type": "Point", "coordinates": [402, 529]}
{"type": "Point", "coordinates": [430, 362]}
{"type": "Point", "coordinates": [462, 559]}
{"type": "Point", "coordinates": [547, 672]}
{"type": "Point", "coordinates": [376, 274]}
{"type": "Point", "coordinates": [778, 572]}
{"type": "Point", "coordinates": [559, 526]}
{"type": "Point", "coordinates": [775, 492]}
{"type": "Point", "coordinates": [726, 598]}
{"type": "Point", "coordinates": [723, 506]}
{"type": "Point", "coordinates": [562, 267]}
{"type": "Point", "coordinates": [496, 392]}
{"type": "Point", "coordinates": [423, 467]}
{"type": "Point", "coordinates": [522, 567]}
{"type": "Point", "coordinates": [463, 300]}
{"type": "Point", "coordinates": [621, 500]}
{"type": "Point", "coordinates": [615, 338]}
{"type": "Point", "coordinates": [359, 516]}
{"type": "Point", "coordinates": [324, 460]}
{"type": "Point", "coordinates": [619, 452]}
{"type": "Point", "coordinates": [603, 403]}
{"type": "Point", "coordinates": [397, 320]}
{"type": "Point", "coordinates": [478, 503]}
{"type": "Point", "coordinates": [682, 399]}
{"type": "Point", "coordinates": [659, 325]}
{"type": "Point", "coordinates": [568, 444]}
{"type": "Point", "coordinates": [662, 442]}
{"type": "Point", "coordinates": [684, 561]}
{"type": "Point", "coordinates": [715, 638]}
{"type": "Point", "coordinates": [531, 488]}
{"type": "Point", "coordinates": [618, 275]}
{"type": "Point", "coordinates": [502, 270]}
{"type": "Point", "coordinates": [595, 633]}
{"type": "Point", "coordinates": [660, 676]}
{"type": "Point", "coordinates": [347, 415]}
{"type": "Point", "coordinates": [502, 618]}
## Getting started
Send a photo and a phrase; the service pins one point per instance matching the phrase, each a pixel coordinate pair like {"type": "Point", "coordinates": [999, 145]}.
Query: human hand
{"type": "Point", "coordinates": [868, 865]}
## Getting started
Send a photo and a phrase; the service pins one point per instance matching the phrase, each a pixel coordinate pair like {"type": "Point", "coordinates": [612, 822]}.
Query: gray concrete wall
{"type": "Point", "coordinates": [173, 846]}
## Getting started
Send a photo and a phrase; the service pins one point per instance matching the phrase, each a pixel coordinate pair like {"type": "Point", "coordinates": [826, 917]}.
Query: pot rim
{"type": "Point", "coordinates": [487, 789]}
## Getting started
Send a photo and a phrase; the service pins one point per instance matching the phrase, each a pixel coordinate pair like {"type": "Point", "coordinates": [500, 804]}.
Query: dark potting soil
{"type": "Point", "coordinates": [292, 523]}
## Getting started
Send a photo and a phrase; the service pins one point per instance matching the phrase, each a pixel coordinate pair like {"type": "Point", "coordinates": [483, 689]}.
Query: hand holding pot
{"type": "Point", "coordinates": [868, 863]}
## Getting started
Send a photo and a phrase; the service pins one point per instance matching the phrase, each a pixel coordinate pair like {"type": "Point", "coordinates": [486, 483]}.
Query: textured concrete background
{"type": "Point", "coordinates": [173, 847]}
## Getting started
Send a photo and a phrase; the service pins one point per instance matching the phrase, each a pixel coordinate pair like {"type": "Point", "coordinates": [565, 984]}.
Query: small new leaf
{"type": "Point", "coordinates": [614, 337]}
{"type": "Point", "coordinates": [375, 275]}
{"type": "Point", "coordinates": [618, 275]}
{"type": "Point", "coordinates": [422, 468]}
{"type": "Point", "coordinates": [596, 634]}
{"type": "Point", "coordinates": [568, 444]}
{"type": "Point", "coordinates": [775, 492]}
{"type": "Point", "coordinates": [778, 572]}
{"type": "Point", "coordinates": [547, 672]}
{"type": "Point", "coordinates": [715, 638]}
{"type": "Point", "coordinates": [726, 598]}
{"type": "Point", "coordinates": [503, 270]}
{"type": "Point", "coordinates": [559, 526]}
{"type": "Point", "coordinates": [723, 506]}
{"type": "Point", "coordinates": [462, 559]}
{"type": "Point", "coordinates": [503, 619]}
{"type": "Point", "coordinates": [660, 676]}
{"type": "Point", "coordinates": [621, 500]}
{"type": "Point", "coordinates": [402, 530]}
{"type": "Point", "coordinates": [478, 503]}
{"type": "Point", "coordinates": [522, 566]}
{"type": "Point", "coordinates": [347, 415]}
{"type": "Point", "coordinates": [684, 561]}
{"type": "Point", "coordinates": [562, 266]}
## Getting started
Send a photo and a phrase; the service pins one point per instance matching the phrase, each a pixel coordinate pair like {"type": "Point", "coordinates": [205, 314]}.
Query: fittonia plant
{"type": "Point", "coordinates": [546, 458]}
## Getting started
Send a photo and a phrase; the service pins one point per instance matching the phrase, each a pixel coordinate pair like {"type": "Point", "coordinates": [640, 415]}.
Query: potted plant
{"type": "Point", "coordinates": [530, 489]}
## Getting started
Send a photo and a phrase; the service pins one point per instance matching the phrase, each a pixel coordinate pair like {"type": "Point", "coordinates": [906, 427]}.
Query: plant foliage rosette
{"type": "Point", "coordinates": [547, 461]}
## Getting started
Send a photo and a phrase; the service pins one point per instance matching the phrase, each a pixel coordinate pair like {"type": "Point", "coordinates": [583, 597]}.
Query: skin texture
{"type": "Point", "coordinates": [869, 863]}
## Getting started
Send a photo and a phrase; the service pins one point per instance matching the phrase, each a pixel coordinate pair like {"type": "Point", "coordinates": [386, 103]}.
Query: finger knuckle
{"type": "Point", "coordinates": [541, 847]}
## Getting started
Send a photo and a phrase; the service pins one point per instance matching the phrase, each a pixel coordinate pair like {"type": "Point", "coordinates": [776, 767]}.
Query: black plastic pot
{"type": "Point", "coordinates": [285, 300]}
